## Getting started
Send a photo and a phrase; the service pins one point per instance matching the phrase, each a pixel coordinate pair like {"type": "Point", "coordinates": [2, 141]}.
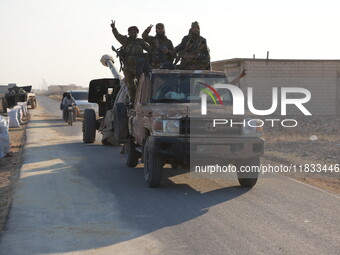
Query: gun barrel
{"type": "Point", "coordinates": [108, 61]}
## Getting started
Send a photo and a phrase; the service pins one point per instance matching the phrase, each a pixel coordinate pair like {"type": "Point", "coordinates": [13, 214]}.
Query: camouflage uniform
{"type": "Point", "coordinates": [134, 61]}
{"type": "Point", "coordinates": [158, 44]}
{"type": "Point", "coordinates": [193, 51]}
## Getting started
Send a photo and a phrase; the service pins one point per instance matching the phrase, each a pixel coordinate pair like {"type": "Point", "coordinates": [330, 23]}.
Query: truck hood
{"type": "Point", "coordinates": [84, 102]}
{"type": "Point", "coordinates": [179, 110]}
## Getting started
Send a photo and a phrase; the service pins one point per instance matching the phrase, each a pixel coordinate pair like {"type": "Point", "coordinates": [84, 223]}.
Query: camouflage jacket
{"type": "Point", "coordinates": [133, 51]}
{"type": "Point", "coordinates": [194, 53]}
{"type": "Point", "coordinates": [157, 43]}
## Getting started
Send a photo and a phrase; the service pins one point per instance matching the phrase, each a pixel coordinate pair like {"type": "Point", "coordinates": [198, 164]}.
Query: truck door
{"type": "Point", "coordinates": [140, 120]}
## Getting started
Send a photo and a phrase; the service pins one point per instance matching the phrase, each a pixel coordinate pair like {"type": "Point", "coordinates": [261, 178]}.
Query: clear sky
{"type": "Point", "coordinates": [62, 41]}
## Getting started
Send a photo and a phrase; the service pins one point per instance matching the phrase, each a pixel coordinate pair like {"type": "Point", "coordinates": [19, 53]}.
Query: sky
{"type": "Point", "coordinates": [60, 42]}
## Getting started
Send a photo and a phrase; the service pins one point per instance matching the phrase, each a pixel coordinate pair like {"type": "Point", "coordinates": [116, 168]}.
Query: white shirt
{"type": "Point", "coordinates": [70, 101]}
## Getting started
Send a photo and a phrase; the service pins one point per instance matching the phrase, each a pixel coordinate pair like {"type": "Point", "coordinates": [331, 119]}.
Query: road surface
{"type": "Point", "coordinates": [75, 198]}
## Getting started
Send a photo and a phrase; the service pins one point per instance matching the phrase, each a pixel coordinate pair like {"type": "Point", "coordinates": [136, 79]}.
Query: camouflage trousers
{"type": "Point", "coordinates": [130, 83]}
{"type": "Point", "coordinates": [188, 64]}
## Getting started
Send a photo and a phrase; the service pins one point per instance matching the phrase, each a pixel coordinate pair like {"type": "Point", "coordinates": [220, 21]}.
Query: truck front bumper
{"type": "Point", "coordinates": [181, 148]}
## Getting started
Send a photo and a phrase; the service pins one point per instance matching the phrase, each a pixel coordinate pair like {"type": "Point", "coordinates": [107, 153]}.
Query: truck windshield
{"type": "Point", "coordinates": [80, 95]}
{"type": "Point", "coordinates": [185, 88]}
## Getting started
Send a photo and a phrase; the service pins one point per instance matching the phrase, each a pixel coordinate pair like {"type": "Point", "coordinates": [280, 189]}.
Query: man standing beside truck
{"type": "Point", "coordinates": [134, 61]}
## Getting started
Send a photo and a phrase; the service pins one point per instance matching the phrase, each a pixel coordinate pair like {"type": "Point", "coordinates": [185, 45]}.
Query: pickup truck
{"type": "Point", "coordinates": [164, 126]}
{"type": "Point", "coordinates": [19, 94]}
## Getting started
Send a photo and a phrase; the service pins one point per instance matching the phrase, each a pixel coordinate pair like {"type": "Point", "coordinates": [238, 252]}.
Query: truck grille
{"type": "Point", "coordinates": [201, 126]}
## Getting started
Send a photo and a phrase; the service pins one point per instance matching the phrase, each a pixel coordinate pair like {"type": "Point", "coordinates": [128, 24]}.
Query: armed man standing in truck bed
{"type": "Point", "coordinates": [134, 60]}
{"type": "Point", "coordinates": [193, 50]}
{"type": "Point", "coordinates": [162, 49]}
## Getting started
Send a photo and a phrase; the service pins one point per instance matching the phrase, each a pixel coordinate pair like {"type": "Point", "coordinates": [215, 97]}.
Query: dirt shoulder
{"type": "Point", "coordinates": [10, 169]}
{"type": "Point", "coordinates": [315, 142]}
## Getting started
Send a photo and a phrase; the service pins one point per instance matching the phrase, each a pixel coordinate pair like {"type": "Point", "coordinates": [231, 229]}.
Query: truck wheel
{"type": "Point", "coordinates": [89, 126]}
{"type": "Point", "coordinates": [120, 123]}
{"type": "Point", "coordinates": [153, 166]}
{"type": "Point", "coordinates": [132, 155]}
{"type": "Point", "coordinates": [248, 179]}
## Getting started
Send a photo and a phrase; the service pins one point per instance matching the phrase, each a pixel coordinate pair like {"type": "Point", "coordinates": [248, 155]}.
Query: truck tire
{"type": "Point", "coordinates": [89, 126]}
{"type": "Point", "coordinates": [153, 166]}
{"type": "Point", "coordinates": [132, 155]}
{"type": "Point", "coordinates": [248, 179]}
{"type": "Point", "coordinates": [120, 123]}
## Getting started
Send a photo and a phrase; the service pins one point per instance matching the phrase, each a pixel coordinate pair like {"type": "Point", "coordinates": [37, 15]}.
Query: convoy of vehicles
{"type": "Point", "coordinates": [163, 126]}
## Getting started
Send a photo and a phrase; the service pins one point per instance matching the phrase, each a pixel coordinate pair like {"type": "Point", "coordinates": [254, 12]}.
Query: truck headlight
{"type": "Point", "coordinates": [166, 126]}
{"type": "Point", "coordinates": [253, 127]}
{"type": "Point", "coordinates": [171, 126]}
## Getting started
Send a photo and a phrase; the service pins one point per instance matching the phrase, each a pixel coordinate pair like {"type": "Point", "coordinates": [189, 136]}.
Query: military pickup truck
{"type": "Point", "coordinates": [19, 94]}
{"type": "Point", "coordinates": [164, 126]}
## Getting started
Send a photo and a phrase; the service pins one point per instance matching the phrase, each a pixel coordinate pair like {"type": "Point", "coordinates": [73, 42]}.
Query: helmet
{"type": "Point", "coordinates": [133, 28]}
{"type": "Point", "coordinates": [195, 24]}
{"type": "Point", "coordinates": [67, 94]}
{"type": "Point", "coordinates": [159, 25]}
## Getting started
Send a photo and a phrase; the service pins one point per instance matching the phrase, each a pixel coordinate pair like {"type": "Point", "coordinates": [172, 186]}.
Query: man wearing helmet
{"type": "Point", "coordinates": [134, 61]}
{"type": "Point", "coordinates": [162, 49]}
{"type": "Point", "coordinates": [193, 50]}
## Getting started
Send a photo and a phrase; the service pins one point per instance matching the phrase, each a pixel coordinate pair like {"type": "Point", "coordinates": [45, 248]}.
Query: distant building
{"type": "Point", "coordinates": [320, 77]}
{"type": "Point", "coordinates": [52, 89]}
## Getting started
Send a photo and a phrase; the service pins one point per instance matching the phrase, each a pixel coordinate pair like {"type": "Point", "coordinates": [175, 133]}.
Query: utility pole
{"type": "Point", "coordinates": [44, 85]}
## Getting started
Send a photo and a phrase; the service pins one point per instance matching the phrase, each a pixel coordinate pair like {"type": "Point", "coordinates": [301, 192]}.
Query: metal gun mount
{"type": "Point", "coordinates": [104, 91]}
{"type": "Point", "coordinates": [108, 61]}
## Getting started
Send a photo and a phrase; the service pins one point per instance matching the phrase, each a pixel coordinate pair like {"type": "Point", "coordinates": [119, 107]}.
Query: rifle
{"type": "Point", "coordinates": [120, 54]}
{"type": "Point", "coordinates": [193, 54]}
{"type": "Point", "coordinates": [188, 46]}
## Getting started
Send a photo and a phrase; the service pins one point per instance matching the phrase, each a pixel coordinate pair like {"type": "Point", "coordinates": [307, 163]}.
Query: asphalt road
{"type": "Point", "coordinates": [75, 198]}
